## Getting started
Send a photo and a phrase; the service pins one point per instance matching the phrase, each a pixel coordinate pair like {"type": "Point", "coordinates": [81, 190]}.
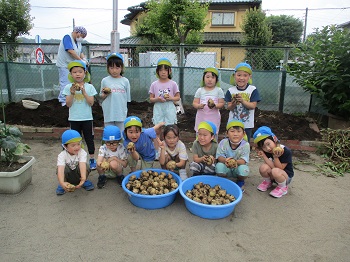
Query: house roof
{"type": "Point", "coordinates": [136, 9]}
{"type": "Point", "coordinates": [209, 38]}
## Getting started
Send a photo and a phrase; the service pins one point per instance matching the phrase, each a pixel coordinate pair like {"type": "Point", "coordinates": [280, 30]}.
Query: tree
{"type": "Point", "coordinates": [15, 19]}
{"type": "Point", "coordinates": [285, 29]}
{"type": "Point", "coordinates": [256, 33]}
{"type": "Point", "coordinates": [322, 68]}
{"type": "Point", "coordinates": [173, 22]}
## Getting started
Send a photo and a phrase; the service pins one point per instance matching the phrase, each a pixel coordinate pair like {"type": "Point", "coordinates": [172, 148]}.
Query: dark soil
{"type": "Point", "coordinates": [5, 167]}
{"type": "Point", "coordinates": [52, 114]}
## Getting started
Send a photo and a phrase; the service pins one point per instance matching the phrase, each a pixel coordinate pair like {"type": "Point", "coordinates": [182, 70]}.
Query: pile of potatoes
{"type": "Point", "coordinates": [205, 194]}
{"type": "Point", "coordinates": [152, 183]}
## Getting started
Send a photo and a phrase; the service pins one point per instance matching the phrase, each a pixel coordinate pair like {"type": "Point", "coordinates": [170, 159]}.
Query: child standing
{"type": "Point", "coordinates": [173, 149]}
{"type": "Point", "coordinates": [71, 164]}
{"type": "Point", "coordinates": [233, 153]}
{"type": "Point", "coordinates": [139, 143]}
{"type": "Point", "coordinates": [209, 99]}
{"type": "Point", "coordinates": [204, 150]}
{"type": "Point", "coordinates": [112, 156]}
{"type": "Point", "coordinates": [115, 92]}
{"type": "Point", "coordinates": [80, 99]}
{"type": "Point", "coordinates": [163, 93]}
{"type": "Point", "coordinates": [243, 97]}
{"type": "Point", "coordinates": [278, 166]}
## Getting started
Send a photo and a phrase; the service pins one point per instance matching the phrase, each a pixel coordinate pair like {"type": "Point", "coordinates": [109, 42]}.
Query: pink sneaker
{"type": "Point", "coordinates": [279, 191]}
{"type": "Point", "coordinates": [264, 186]}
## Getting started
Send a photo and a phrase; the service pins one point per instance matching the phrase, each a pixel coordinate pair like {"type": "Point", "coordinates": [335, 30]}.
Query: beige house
{"type": "Point", "coordinates": [224, 28]}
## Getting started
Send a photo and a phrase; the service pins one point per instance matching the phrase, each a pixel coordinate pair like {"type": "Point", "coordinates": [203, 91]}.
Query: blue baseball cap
{"type": "Point", "coordinates": [262, 133]}
{"type": "Point", "coordinates": [117, 55]}
{"type": "Point", "coordinates": [132, 121]}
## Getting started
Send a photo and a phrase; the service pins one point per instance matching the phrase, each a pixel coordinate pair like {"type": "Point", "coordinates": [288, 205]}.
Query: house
{"type": "Point", "coordinates": [224, 28]}
{"type": "Point", "coordinates": [345, 25]}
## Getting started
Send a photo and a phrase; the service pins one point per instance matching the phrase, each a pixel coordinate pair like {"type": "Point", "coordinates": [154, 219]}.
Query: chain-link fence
{"type": "Point", "coordinates": [23, 78]}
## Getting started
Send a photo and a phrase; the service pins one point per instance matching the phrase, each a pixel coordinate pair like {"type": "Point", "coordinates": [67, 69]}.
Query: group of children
{"type": "Point", "coordinates": [125, 142]}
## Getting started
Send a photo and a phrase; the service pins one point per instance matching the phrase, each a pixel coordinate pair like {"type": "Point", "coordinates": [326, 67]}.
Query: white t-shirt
{"type": "Point", "coordinates": [119, 153]}
{"type": "Point", "coordinates": [114, 106]}
{"type": "Point", "coordinates": [64, 158]}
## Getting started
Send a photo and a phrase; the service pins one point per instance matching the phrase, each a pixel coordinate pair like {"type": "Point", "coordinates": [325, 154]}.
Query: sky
{"type": "Point", "coordinates": [53, 19]}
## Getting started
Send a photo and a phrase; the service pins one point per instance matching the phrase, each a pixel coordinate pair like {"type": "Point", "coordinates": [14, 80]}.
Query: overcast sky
{"type": "Point", "coordinates": [54, 19]}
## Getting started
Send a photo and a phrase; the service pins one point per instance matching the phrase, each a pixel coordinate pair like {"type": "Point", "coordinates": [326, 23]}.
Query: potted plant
{"type": "Point", "coordinates": [15, 169]}
{"type": "Point", "coordinates": [322, 67]}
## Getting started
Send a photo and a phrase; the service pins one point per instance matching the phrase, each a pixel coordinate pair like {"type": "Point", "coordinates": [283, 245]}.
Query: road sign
{"type": "Point", "coordinates": [39, 56]}
{"type": "Point", "coordinates": [38, 39]}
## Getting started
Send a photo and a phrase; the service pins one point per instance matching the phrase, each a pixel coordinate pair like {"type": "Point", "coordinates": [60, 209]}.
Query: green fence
{"type": "Point", "coordinates": [278, 91]}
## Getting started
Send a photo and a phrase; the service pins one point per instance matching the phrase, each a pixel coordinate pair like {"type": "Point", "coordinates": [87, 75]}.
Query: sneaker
{"type": "Point", "coordinates": [60, 191]}
{"type": "Point", "coordinates": [93, 164]}
{"type": "Point", "coordinates": [279, 191]}
{"type": "Point", "coordinates": [241, 183]}
{"type": "Point", "coordinates": [120, 179]}
{"type": "Point", "coordinates": [88, 185]}
{"type": "Point", "coordinates": [264, 185]}
{"type": "Point", "coordinates": [102, 179]}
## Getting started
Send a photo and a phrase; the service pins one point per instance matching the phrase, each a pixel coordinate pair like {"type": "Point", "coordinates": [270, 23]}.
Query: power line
{"type": "Point", "coordinates": [312, 9]}
{"type": "Point", "coordinates": [79, 8]}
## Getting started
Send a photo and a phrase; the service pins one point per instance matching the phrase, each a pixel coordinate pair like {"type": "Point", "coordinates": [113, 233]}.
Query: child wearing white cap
{"type": "Point", "coordinates": [277, 166]}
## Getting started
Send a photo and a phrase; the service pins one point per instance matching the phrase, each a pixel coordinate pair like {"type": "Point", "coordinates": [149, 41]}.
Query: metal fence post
{"type": "Point", "coordinates": [283, 81]}
{"type": "Point", "coordinates": [7, 76]}
{"type": "Point", "coordinates": [181, 73]}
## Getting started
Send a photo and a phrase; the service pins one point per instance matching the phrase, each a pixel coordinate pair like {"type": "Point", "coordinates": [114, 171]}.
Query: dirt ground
{"type": "Point", "coordinates": [52, 114]}
{"type": "Point", "coordinates": [310, 223]}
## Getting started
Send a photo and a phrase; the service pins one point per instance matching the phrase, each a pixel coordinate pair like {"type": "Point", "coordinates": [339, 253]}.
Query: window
{"type": "Point", "coordinates": [222, 18]}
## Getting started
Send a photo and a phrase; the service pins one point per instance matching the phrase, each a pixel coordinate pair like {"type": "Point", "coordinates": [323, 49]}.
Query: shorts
{"type": "Point", "coordinates": [240, 171]}
{"type": "Point", "coordinates": [164, 112]}
{"type": "Point", "coordinates": [144, 164]}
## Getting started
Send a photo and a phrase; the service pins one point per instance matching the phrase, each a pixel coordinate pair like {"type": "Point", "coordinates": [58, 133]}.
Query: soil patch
{"type": "Point", "coordinates": [51, 114]}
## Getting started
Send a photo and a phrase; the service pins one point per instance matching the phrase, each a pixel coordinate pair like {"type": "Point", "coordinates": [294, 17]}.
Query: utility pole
{"type": "Point", "coordinates": [305, 24]}
{"type": "Point", "coordinates": [114, 33]}
{"type": "Point", "coordinates": [73, 24]}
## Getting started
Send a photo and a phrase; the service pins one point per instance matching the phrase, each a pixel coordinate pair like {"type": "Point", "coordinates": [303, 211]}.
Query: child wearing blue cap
{"type": "Point", "coordinates": [204, 150]}
{"type": "Point", "coordinates": [112, 156]}
{"type": "Point", "coordinates": [139, 142]}
{"type": "Point", "coordinates": [80, 99]}
{"type": "Point", "coordinates": [233, 154]}
{"type": "Point", "coordinates": [173, 149]}
{"type": "Point", "coordinates": [242, 98]}
{"type": "Point", "coordinates": [115, 92]}
{"type": "Point", "coordinates": [72, 169]}
{"type": "Point", "coordinates": [209, 99]}
{"type": "Point", "coordinates": [278, 166]}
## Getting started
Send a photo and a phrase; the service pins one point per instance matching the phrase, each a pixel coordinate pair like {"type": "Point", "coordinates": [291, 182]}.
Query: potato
{"type": "Point", "coordinates": [76, 86]}
{"type": "Point", "coordinates": [171, 165]}
{"type": "Point", "coordinates": [277, 150]}
{"type": "Point", "coordinates": [70, 187]}
{"type": "Point", "coordinates": [105, 164]}
{"type": "Point", "coordinates": [231, 163]}
{"type": "Point", "coordinates": [130, 146]}
{"type": "Point", "coordinates": [211, 103]}
{"type": "Point", "coordinates": [208, 160]}
{"type": "Point", "coordinates": [106, 90]}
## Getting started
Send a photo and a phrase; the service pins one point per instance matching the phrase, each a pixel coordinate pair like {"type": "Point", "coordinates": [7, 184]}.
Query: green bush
{"type": "Point", "coordinates": [322, 67]}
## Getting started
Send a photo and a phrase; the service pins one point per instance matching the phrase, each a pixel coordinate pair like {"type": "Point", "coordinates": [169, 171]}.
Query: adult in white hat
{"type": "Point", "coordinates": [70, 49]}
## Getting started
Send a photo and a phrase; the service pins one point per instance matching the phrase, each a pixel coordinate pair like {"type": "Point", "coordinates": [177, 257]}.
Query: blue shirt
{"type": "Point", "coordinates": [144, 145]}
